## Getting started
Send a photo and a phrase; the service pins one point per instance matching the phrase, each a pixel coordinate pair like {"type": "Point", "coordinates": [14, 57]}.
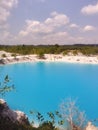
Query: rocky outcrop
{"type": "Point", "coordinates": [11, 115]}
{"type": "Point", "coordinates": [2, 61]}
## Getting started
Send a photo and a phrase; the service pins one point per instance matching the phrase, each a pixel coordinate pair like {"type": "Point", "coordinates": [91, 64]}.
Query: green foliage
{"type": "Point", "coordinates": [65, 52]}
{"type": "Point", "coordinates": [40, 118]}
{"type": "Point", "coordinates": [50, 123]}
{"type": "Point", "coordinates": [41, 55]}
{"type": "Point", "coordinates": [75, 52]}
{"type": "Point", "coordinates": [69, 113]}
{"type": "Point", "coordinates": [47, 126]}
{"type": "Point", "coordinates": [51, 49]}
{"type": "Point", "coordinates": [3, 55]}
{"type": "Point", "coordinates": [52, 117]}
{"type": "Point", "coordinates": [5, 86]}
{"type": "Point", "coordinates": [13, 54]}
{"type": "Point", "coordinates": [55, 119]}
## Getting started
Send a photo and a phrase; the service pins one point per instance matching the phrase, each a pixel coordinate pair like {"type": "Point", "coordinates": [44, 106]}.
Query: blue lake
{"type": "Point", "coordinates": [42, 86]}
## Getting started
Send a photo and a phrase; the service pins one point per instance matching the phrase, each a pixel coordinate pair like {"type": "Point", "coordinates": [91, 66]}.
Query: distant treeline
{"type": "Point", "coordinates": [51, 49]}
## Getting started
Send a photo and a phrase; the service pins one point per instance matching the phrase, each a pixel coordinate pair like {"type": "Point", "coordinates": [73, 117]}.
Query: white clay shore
{"type": "Point", "coordinates": [48, 58]}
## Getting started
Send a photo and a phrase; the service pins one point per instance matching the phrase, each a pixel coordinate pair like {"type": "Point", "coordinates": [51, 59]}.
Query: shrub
{"type": "Point", "coordinates": [3, 55]}
{"type": "Point", "coordinates": [41, 55]}
{"type": "Point", "coordinates": [13, 54]}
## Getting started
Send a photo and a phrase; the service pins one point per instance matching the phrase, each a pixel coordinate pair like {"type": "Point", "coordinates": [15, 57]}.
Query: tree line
{"type": "Point", "coordinates": [51, 49]}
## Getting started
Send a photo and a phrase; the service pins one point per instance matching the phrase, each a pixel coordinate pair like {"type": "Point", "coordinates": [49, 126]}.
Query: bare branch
{"type": "Point", "coordinates": [71, 113]}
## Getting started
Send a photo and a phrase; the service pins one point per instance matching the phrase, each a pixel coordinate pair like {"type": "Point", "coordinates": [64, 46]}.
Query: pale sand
{"type": "Point", "coordinates": [48, 58]}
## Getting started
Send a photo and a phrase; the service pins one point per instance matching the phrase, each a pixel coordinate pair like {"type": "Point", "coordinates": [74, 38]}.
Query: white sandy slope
{"type": "Point", "coordinates": [48, 58]}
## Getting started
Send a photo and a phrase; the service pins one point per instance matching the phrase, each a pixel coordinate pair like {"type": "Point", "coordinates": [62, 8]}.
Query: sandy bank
{"type": "Point", "coordinates": [9, 59]}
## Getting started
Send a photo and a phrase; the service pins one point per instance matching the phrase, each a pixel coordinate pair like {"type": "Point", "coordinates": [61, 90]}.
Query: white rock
{"type": "Point", "coordinates": [90, 126]}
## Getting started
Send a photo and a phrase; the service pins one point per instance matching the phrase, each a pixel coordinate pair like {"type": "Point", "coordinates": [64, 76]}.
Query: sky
{"type": "Point", "coordinates": [48, 22]}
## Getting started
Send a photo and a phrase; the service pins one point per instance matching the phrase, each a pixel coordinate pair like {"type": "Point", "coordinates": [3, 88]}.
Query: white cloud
{"type": "Point", "coordinates": [46, 27]}
{"type": "Point", "coordinates": [57, 19]}
{"type": "Point", "coordinates": [5, 7]}
{"type": "Point", "coordinates": [69, 38]}
{"type": "Point", "coordinates": [56, 29]}
{"type": "Point", "coordinates": [5, 10]}
{"type": "Point", "coordinates": [88, 28]}
{"type": "Point", "coordinates": [3, 14]}
{"type": "Point", "coordinates": [52, 38]}
{"type": "Point", "coordinates": [5, 37]}
{"type": "Point", "coordinates": [35, 28]}
{"type": "Point", "coordinates": [4, 26]}
{"type": "Point", "coordinates": [90, 9]}
{"type": "Point", "coordinates": [56, 38]}
{"type": "Point", "coordinates": [74, 25]}
{"type": "Point", "coordinates": [50, 31]}
{"type": "Point", "coordinates": [8, 4]}
{"type": "Point", "coordinates": [4, 34]}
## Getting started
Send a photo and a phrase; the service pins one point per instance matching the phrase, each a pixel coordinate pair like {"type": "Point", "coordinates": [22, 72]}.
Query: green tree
{"type": "Point", "coordinates": [41, 55]}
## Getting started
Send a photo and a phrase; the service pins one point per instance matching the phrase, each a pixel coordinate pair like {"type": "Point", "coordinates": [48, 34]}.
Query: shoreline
{"type": "Point", "coordinates": [80, 59]}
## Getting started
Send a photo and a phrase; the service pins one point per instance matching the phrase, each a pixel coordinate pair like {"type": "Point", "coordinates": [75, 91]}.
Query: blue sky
{"type": "Point", "coordinates": [48, 21]}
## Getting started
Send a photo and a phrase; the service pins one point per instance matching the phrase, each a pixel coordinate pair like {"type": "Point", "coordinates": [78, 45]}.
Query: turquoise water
{"type": "Point", "coordinates": [43, 86]}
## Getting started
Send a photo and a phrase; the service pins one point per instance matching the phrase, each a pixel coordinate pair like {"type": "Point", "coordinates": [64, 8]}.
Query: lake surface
{"type": "Point", "coordinates": [42, 86]}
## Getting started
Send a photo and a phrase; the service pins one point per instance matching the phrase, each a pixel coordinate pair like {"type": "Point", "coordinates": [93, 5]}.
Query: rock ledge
{"type": "Point", "coordinates": [14, 116]}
